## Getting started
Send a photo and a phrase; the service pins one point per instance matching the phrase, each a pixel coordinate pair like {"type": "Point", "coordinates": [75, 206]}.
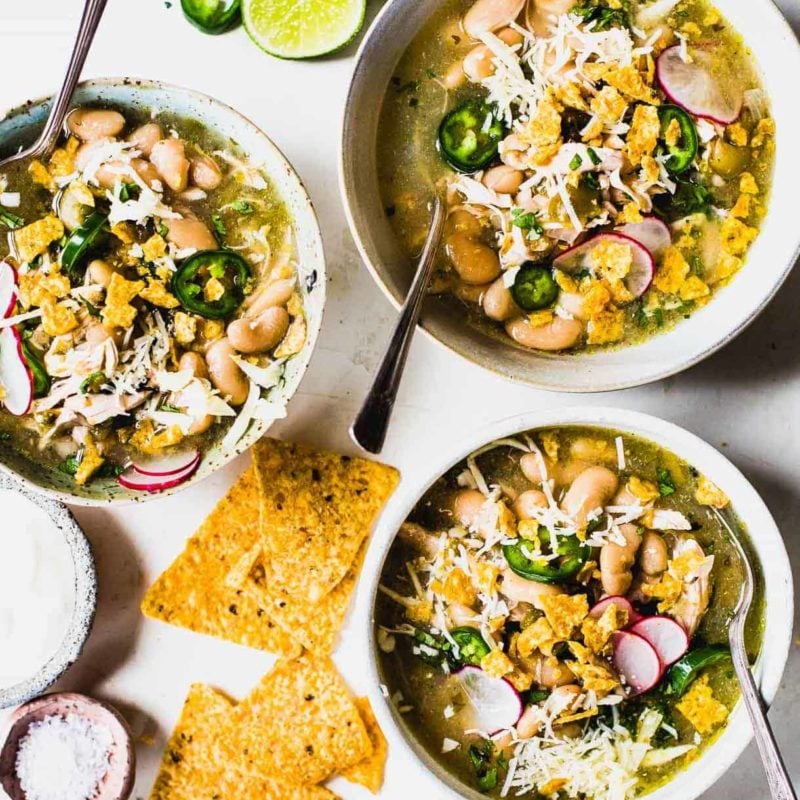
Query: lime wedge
{"type": "Point", "coordinates": [302, 28]}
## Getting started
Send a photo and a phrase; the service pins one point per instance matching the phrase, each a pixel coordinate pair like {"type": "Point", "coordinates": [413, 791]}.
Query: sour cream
{"type": "Point", "coordinates": [37, 588]}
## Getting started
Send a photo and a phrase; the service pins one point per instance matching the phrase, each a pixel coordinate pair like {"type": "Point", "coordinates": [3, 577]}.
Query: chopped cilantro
{"type": "Point", "coordinates": [666, 484]}
{"type": "Point", "coordinates": [93, 310]}
{"type": "Point", "coordinates": [93, 381]}
{"type": "Point", "coordinates": [602, 15]}
{"type": "Point", "coordinates": [10, 220]}
{"type": "Point", "coordinates": [69, 466]}
{"type": "Point", "coordinates": [128, 191]}
{"type": "Point", "coordinates": [593, 157]}
{"type": "Point", "coordinates": [528, 221]}
{"type": "Point", "coordinates": [591, 180]}
{"type": "Point", "coordinates": [241, 207]}
{"type": "Point", "coordinates": [162, 229]}
{"type": "Point", "coordinates": [169, 407]}
{"type": "Point", "coordinates": [689, 198]}
{"type": "Point", "coordinates": [658, 316]}
{"type": "Point", "coordinates": [219, 225]}
{"type": "Point", "coordinates": [5, 436]}
{"type": "Point", "coordinates": [431, 73]}
{"type": "Point", "coordinates": [576, 161]}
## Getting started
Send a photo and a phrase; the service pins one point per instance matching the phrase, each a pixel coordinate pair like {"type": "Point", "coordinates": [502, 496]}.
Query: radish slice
{"type": "Point", "coordinates": [15, 377]}
{"type": "Point", "coordinates": [693, 86]}
{"type": "Point", "coordinates": [8, 289]}
{"type": "Point", "coordinates": [652, 233]}
{"type": "Point", "coordinates": [496, 703]}
{"type": "Point", "coordinates": [637, 661]}
{"type": "Point", "coordinates": [618, 600]}
{"type": "Point", "coordinates": [131, 479]}
{"type": "Point", "coordinates": [637, 281]}
{"type": "Point", "coordinates": [167, 465]}
{"type": "Point", "coordinates": [667, 637]}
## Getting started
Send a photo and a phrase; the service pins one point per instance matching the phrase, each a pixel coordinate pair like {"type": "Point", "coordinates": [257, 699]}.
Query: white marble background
{"type": "Point", "coordinates": [743, 400]}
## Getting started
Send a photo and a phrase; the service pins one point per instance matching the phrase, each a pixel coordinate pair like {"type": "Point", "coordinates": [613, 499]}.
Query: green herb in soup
{"type": "Point", "coordinates": [149, 296]}
{"type": "Point", "coordinates": [553, 616]}
{"type": "Point", "coordinates": [623, 148]}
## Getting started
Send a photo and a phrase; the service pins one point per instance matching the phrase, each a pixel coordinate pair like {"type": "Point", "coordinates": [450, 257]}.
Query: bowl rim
{"type": "Point", "coordinates": [83, 613]}
{"type": "Point", "coordinates": [439, 454]}
{"type": "Point", "coordinates": [350, 201]}
{"type": "Point", "coordinates": [314, 326]}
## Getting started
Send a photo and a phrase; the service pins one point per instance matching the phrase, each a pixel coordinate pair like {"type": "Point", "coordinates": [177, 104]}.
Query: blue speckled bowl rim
{"type": "Point", "coordinates": [85, 598]}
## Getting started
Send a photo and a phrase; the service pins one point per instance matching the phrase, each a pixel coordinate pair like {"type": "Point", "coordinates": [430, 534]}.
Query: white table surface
{"type": "Point", "coordinates": [744, 400]}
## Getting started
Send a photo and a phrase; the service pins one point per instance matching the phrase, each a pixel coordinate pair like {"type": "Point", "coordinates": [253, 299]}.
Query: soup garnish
{"type": "Point", "coordinates": [150, 298]}
{"type": "Point", "coordinates": [622, 149]}
{"type": "Point", "coordinates": [553, 616]}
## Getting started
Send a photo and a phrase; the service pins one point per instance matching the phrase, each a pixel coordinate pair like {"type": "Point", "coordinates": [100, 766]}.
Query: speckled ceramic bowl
{"type": "Point", "coordinates": [85, 599]}
{"type": "Point", "coordinates": [118, 782]}
{"type": "Point", "coordinates": [20, 127]}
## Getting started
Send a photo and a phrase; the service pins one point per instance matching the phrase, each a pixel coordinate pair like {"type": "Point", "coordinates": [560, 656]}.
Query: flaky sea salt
{"type": "Point", "coordinates": [63, 758]}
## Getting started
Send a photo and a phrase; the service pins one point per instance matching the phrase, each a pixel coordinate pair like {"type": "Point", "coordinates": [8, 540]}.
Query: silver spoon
{"type": "Point", "coordinates": [777, 777]}
{"type": "Point", "coordinates": [44, 145]}
{"type": "Point", "coordinates": [370, 426]}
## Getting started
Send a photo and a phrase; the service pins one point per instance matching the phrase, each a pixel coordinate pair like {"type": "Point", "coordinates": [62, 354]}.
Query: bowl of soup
{"type": "Point", "coordinates": [616, 178]}
{"type": "Point", "coordinates": [551, 604]}
{"type": "Point", "coordinates": [163, 282]}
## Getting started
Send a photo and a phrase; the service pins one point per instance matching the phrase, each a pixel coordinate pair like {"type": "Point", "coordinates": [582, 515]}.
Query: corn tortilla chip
{"type": "Point", "coordinates": [369, 772]}
{"type": "Point", "coordinates": [316, 510]}
{"type": "Point", "coordinates": [194, 766]}
{"type": "Point", "coordinates": [193, 592]}
{"type": "Point", "coordinates": [315, 626]}
{"type": "Point", "coordinates": [300, 721]}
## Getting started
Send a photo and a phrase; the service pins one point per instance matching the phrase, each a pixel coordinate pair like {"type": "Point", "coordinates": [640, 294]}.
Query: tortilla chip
{"type": "Point", "coordinates": [194, 767]}
{"type": "Point", "coordinates": [193, 593]}
{"type": "Point", "coordinates": [369, 772]}
{"type": "Point", "coordinates": [316, 510]}
{"type": "Point", "coordinates": [300, 720]}
{"type": "Point", "coordinates": [315, 626]}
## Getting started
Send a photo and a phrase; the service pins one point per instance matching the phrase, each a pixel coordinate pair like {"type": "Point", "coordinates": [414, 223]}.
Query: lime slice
{"type": "Point", "coordinates": [302, 28]}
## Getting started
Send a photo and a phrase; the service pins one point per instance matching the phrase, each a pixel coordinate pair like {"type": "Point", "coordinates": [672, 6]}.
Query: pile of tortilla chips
{"type": "Point", "coordinates": [274, 567]}
{"type": "Point", "coordinates": [297, 728]}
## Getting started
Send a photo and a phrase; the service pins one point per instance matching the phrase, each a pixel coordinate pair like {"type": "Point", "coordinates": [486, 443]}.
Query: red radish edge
{"type": "Point", "coordinates": [167, 465]}
{"type": "Point", "coordinates": [637, 661]}
{"type": "Point", "coordinates": [15, 376]}
{"type": "Point", "coordinates": [668, 638]}
{"type": "Point", "coordinates": [131, 479]}
{"type": "Point", "coordinates": [8, 289]}
{"type": "Point", "coordinates": [643, 269]}
{"type": "Point", "coordinates": [499, 684]}
{"type": "Point", "coordinates": [616, 599]}
{"type": "Point", "coordinates": [652, 233]}
{"type": "Point", "coordinates": [667, 60]}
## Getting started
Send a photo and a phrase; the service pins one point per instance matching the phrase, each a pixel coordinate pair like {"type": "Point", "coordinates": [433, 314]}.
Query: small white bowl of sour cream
{"type": "Point", "coordinates": [48, 592]}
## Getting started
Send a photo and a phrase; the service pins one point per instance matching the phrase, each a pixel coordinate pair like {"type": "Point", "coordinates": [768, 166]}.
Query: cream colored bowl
{"type": "Point", "coordinates": [776, 50]}
{"type": "Point", "coordinates": [766, 541]}
{"type": "Point", "coordinates": [23, 123]}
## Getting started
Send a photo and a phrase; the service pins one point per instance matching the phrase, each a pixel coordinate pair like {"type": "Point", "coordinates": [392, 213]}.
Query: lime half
{"type": "Point", "coordinates": [302, 28]}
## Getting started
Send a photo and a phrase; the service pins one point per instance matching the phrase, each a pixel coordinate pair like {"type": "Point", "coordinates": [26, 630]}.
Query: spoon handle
{"type": "Point", "coordinates": [778, 778]}
{"type": "Point", "coordinates": [370, 426]}
{"type": "Point", "coordinates": [92, 12]}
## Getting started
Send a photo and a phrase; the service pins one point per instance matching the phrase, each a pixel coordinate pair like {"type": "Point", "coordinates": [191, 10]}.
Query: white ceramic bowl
{"type": "Point", "coordinates": [776, 51]}
{"type": "Point", "coordinates": [21, 125]}
{"type": "Point", "coordinates": [765, 537]}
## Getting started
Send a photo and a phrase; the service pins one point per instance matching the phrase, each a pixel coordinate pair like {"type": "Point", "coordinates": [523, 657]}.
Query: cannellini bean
{"type": "Point", "coordinates": [145, 137]}
{"type": "Point", "coordinates": [100, 272]}
{"type": "Point", "coordinates": [97, 333]}
{"type": "Point", "coordinates": [113, 172]}
{"type": "Point", "coordinates": [489, 15]}
{"type": "Point", "coordinates": [224, 372]}
{"type": "Point", "coordinates": [550, 673]}
{"type": "Point", "coordinates": [524, 591]}
{"type": "Point", "coordinates": [529, 723]}
{"type": "Point", "coordinates": [474, 261]}
{"type": "Point", "coordinates": [562, 474]}
{"type": "Point", "coordinates": [420, 539]}
{"type": "Point", "coordinates": [592, 489]}
{"type": "Point", "coordinates": [467, 505]}
{"type": "Point", "coordinates": [190, 233]}
{"type": "Point", "coordinates": [205, 172]}
{"type": "Point", "coordinates": [470, 293]}
{"type": "Point", "coordinates": [625, 497]}
{"type": "Point", "coordinates": [168, 156]}
{"type": "Point", "coordinates": [479, 63]}
{"type": "Point", "coordinates": [196, 364]}
{"type": "Point", "coordinates": [528, 502]}
{"type": "Point", "coordinates": [498, 302]}
{"type": "Point", "coordinates": [147, 172]}
{"type": "Point", "coordinates": [93, 124]}
{"type": "Point", "coordinates": [454, 77]}
{"type": "Point", "coordinates": [616, 561]}
{"type": "Point", "coordinates": [461, 615]}
{"type": "Point", "coordinates": [276, 293]}
{"type": "Point", "coordinates": [653, 554]}
{"type": "Point", "coordinates": [462, 221]}
{"type": "Point", "coordinates": [560, 334]}
{"type": "Point", "coordinates": [261, 333]}
{"type": "Point", "coordinates": [503, 179]}
{"type": "Point", "coordinates": [542, 13]}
